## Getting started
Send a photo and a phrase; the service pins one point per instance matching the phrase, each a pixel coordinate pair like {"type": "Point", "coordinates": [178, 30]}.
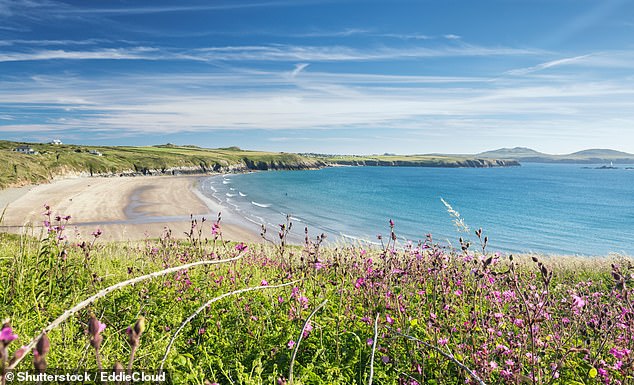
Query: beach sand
{"type": "Point", "coordinates": [124, 208]}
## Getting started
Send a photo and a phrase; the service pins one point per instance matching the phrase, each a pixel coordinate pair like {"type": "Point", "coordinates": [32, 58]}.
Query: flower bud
{"type": "Point", "coordinates": [139, 326]}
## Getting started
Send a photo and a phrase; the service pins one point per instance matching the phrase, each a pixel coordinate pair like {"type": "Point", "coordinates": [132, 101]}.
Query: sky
{"type": "Point", "coordinates": [362, 77]}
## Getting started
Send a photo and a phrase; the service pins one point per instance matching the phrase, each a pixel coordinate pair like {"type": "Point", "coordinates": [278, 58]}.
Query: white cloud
{"type": "Point", "coordinates": [549, 64]}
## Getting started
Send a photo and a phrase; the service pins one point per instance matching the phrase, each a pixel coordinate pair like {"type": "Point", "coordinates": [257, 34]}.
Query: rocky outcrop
{"type": "Point", "coordinates": [474, 163]}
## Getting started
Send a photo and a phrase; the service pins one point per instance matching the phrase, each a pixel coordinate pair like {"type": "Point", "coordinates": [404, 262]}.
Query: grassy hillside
{"type": "Point", "coordinates": [416, 161]}
{"type": "Point", "coordinates": [395, 314]}
{"type": "Point", "coordinates": [63, 160]}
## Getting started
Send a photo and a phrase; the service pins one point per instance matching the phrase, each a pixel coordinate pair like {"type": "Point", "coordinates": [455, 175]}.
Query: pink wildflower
{"type": "Point", "coordinates": [241, 247]}
{"type": "Point", "coordinates": [389, 319]}
{"type": "Point", "coordinates": [7, 335]}
{"type": "Point", "coordinates": [307, 330]}
{"type": "Point", "coordinates": [264, 283]}
{"type": "Point", "coordinates": [577, 304]}
{"type": "Point", "coordinates": [443, 341]}
{"type": "Point", "coordinates": [290, 344]}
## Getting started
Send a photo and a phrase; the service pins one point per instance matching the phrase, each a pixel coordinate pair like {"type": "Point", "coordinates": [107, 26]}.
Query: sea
{"type": "Point", "coordinates": [555, 209]}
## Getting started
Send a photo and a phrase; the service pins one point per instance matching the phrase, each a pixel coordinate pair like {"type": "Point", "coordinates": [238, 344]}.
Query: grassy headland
{"type": "Point", "coordinates": [66, 160]}
{"type": "Point", "coordinates": [413, 160]}
{"type": "Point", "coordinates": [396, 314]}
{"type": "Point", "coordinates": [53, 161]}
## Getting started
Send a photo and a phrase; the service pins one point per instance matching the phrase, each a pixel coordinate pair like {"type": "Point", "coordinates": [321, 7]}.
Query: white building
{"type": "Point", "coordinates": [56, 142]}
{"type": "Point", "coordinates": [25, 150]}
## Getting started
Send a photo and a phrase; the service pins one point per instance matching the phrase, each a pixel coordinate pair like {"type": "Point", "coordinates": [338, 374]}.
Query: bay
{"type": "Point", "coordinates": [566, 209]}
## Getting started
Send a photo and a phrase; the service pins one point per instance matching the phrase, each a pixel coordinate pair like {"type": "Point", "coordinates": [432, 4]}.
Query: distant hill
{"type": "Point", "coordinates": [527, 155]}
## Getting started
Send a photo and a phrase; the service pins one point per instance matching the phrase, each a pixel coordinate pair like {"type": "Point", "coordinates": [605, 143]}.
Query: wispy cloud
{"type": "Point", "coordinates": [299, 68]}
{"type": "Point", "coordinates": [549, 64]}
{"type": "Point", "coordinates": [279, 53]}
{"type": "Point", "coordinates": [137, 53]}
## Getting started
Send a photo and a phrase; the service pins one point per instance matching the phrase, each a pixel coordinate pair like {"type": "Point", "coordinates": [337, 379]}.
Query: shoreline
{"type": "Point", "coordinates": [123, 208]}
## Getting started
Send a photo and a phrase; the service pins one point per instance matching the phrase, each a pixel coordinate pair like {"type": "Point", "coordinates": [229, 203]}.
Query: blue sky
{"type": "Point", "coordinates": [321, 76]}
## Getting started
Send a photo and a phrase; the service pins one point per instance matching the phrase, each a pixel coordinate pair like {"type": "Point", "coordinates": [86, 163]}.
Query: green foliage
{"type": "Point", "coordinates": [436, 307]}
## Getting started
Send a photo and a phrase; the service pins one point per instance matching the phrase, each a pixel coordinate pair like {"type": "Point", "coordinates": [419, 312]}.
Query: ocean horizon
{"type": "Point", "coordinates": [559, 209]}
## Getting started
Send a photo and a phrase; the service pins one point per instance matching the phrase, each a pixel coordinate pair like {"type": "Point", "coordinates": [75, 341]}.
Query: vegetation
{"type": "Point", "coordinates": [412, 313]}
{"type": "Point", "coordinates": [415, 161]}
{"type": "Point", "coordinates": [62, 160]}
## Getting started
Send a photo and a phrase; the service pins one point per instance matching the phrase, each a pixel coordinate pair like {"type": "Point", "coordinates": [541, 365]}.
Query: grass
{"type": "Point", "coordinates": [410, 314]}
{"type": "Point", "coordinates": [62, 160]}
{"type": "Point", "coordinates": [414, 160]}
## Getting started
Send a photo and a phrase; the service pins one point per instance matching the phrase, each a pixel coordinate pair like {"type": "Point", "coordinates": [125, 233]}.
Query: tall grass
{"type": "Point", "coordinates": [401, 313]}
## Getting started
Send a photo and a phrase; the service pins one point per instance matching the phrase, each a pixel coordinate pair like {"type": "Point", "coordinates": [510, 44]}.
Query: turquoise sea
{"type": "Point", "coordinates": [546, 208]}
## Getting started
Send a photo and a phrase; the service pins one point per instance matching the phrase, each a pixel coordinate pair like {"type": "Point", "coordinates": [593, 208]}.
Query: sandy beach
{"type": "Point", "coordinates": [125, 208]}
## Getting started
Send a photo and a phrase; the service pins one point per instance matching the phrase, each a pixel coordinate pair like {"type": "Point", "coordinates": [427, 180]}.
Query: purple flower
{"type": "Point", "coordinates": [7, 335]}
{"type": "Point", "coordinates": [264, 283]}
{"type": "Point", "coordinates": [577, 304]}
{"type": "Point", "coordinates": [389, 319]}
{"type": "Point", "coordinates": [201, 331]}
{"type": "Point", "coordinates": [241, 247]}
{"type": "Point", "coordinates": [97, 233]}
{"type": "Point", "coordinates": [307, 330]}
{"type": "Point", "coordinates": [369, 341]}
{"type": "Point", "coordinates": [290, 344]}
{"type": "Point", "coordinates": [385, 359]}
{"type": "Point", "coordinates": [443, 341]}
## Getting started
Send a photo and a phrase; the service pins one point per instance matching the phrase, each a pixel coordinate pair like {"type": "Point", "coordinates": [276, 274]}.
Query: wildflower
{"type": "Point", "coordinates": [391, 223]}
{"type": "Point", "coordinates": [215, 229]}
{"type": "Point", "coordinates": [577, 304]}
{"type": "Point", "coordinates": [389, 319]}
{"type": "Point", "coordinates": [493, 365]}
{"type": "Point", "coordinates": [385, 359]}
{"type": "Point", "coordinates": [360, 282]}
{"type": "Point", "coordinates": [443, 341]}
{"type": "Point", "coordinates": [619, 353]}
{"type": "Point", "coordinates": [264, 283]}
{"type": "Point", "coordinates": [201, 331]}
{"type": "Point", "coordinates": [97, 233]}
{"type": "Point", "coordinates": [307, 330]}
{"type": "Point", "coordinates": [290, 344]}
{"type": "Point", "coordinates": [7, 335]}
{"type": "Point", "coordinates": [280, 299]}
{"type": "Point", "coordinates": [369, 341]}
{"type": "Point", "coordinates": [506, 374]}
{"type": "Point", "coordinates": [241, 247]}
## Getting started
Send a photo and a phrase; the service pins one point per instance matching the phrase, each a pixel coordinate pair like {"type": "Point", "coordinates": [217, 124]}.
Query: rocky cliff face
{"type": "Point", "coordinates": [476, 163]}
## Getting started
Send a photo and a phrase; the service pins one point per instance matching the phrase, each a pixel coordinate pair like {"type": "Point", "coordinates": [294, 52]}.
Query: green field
{"type": "Point", "coordinates": [393, 314]}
